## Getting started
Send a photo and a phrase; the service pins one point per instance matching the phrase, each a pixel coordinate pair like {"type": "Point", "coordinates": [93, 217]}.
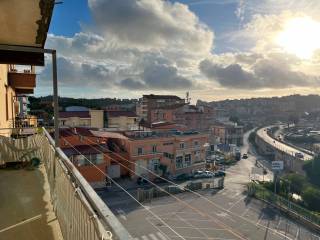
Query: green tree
{"type": "Point", "coordinates": [297, 182]}
{"type": "Point", "coordinates": [311, 197]}
{"type": "Point", "coordinates": [234, 119]}
{"type": "Point", "coordinates": [312, 169]}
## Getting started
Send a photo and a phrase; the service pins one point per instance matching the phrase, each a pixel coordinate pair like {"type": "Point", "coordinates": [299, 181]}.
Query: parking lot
{"type": "Point", "coordinates": [226, 214]}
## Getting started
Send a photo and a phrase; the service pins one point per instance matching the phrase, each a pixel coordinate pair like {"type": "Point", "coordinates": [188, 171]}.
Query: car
{"type": "Point", "coordinates": [298, 155]}
{"type": "Point", "coordinates": [159, 180]}
{"type": "Point", "coordinates": [182, 177]}
{"type": "Point", "coordinates": [219, 174]}
{"type": "Point", "coordinates": [245, 156]}
{"type": "Point", "coordinates": [142, 181]}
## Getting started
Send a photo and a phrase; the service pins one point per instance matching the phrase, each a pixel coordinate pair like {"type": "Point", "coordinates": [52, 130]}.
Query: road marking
{"type": "Point", "coordinates": [279, 223]}
{"type": "Point", "coordinates": [152, 236]}
{"type": "Point", "coordinates": [245, 212]}
{"type": "Point", "coordinates": [156, 227]}
{"type": "Point", "coordinates": [161, 236]}
{"type": "Point", "coordinates": [144, 237]}
{"type": "Point", "coordinates": [241, 199]}
{"type": "Point", "coordinates": [258, 223]}
{"type": "Point", "coordinates": [194, 227]}
{"type": "Point", "coordinates": [298, 232]}
{"type": "Point", "coordinates": [21, 223]}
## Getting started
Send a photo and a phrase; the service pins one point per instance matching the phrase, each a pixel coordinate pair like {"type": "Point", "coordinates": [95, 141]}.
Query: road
{"type": "Point", "coordinates": [280, 145]}
{"type": "Point", "coordinates": [220, 215]}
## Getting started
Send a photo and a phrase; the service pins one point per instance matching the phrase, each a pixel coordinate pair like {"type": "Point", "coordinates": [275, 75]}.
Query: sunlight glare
{"type": "Point", "coordinates": [300, 36]}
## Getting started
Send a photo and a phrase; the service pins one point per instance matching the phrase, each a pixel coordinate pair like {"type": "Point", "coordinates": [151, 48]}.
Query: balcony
{"type": "Point", "coordinates": [52, 201]}
{"type": "Point", "coordinates": [23, 82]}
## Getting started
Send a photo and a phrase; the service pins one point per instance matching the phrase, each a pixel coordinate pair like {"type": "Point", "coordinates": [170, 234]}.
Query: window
{"type": "Point", "coordinates": [154, 148]}
{"type": "Point", "coordinates": [7, 107]}
{"type": "Point", "coordinates": [168, 155]}
{"type": "Point", "coordinates": [154, 165]}
{"type": "Point", "coordinates": [179, 162]}
{"type": "Point", "coordinates": [187, 160]}
{"type": "Point", "coordinates": [139, 150]}
{"type": "Point", "coordinates": [88, 160]}
{"type": "Point", "coordinates": [196, 143]}
{"type": "Point", "coordinates": [167, 143]}
{"type": "Point", "coordinates": [182, 145]}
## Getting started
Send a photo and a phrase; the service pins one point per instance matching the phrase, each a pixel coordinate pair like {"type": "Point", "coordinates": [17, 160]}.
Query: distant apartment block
{"type": "Point", "coordinates": [116, 120]}
{"type": "Point", "coordinates": [228, 133]}
{"type": "Point", "coordinates": [149, 102]}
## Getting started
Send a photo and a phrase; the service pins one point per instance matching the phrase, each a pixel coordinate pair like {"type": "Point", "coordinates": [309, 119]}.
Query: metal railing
{"type": "Point", "coordinates": [264, 194]}
{"type": "Point", "coordinates": [80, 211]}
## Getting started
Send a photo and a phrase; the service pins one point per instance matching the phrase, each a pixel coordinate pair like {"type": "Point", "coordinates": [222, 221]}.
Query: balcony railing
{"type": "Point", "coordinates": [80, 211]}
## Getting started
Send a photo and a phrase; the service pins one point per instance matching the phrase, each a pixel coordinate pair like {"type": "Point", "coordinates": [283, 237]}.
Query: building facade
{"type": "Point", "coordinates": [228, 133]}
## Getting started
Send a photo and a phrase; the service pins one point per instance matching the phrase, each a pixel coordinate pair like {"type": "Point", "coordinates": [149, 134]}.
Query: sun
{"type": "Point", "coordinates": [300, 36]}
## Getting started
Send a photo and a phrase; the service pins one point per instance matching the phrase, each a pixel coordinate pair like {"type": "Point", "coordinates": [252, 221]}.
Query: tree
{"type": "Point", "coordinates": [297, 182]}
{"type": "Point", "coordinates": [311, 197]}
{"type": "Point", "coordinates": [234, 119]}
{"type": "Point", "coordinates": [312, 169]}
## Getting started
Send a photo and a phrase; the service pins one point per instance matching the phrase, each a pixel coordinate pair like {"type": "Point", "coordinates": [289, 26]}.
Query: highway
{"type": "Point", "coordinates": [262, 133]}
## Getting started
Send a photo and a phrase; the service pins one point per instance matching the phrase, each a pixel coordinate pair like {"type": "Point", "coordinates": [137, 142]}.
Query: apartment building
{"type": "Point", "coordinates": [163, 153]}
{"type": "Point", "coordinates": [149, 102]}
{"type": "Point", "coordinates": [121, 120]}
{"type": "Point", "coordinates": [191, 116]}
{"type": "Point", "coordinates": [91, 118]}
{"type": "Point", "coordinates": [228, 133]}
{"type": "Point", "coordinates": [74, 141]}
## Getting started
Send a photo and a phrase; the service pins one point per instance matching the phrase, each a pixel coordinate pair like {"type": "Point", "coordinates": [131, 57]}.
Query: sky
{"type": "Point", "coordinates": [214, 49]}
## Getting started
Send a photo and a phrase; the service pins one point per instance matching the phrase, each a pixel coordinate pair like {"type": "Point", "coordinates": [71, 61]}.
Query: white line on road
{"type": "Point", "coordinates": [245, 212]}
{"type": "Point", "coordinates": [144, 237]}
{"type": "Point", "coordinates": [152, 236]}
{"type": "Point", "coordinates": [298, 232]}
{"type": "Point", "coordinates": [241, 199]}
{"type": "Point", "coordinates": [161, 236]}
{"type": "Point", "coordinates": [260, 219]}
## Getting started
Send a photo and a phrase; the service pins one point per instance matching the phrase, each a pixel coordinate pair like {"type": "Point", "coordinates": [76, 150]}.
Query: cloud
{"type": "Point", "coordinates": [150, 24]}
{"type": "Point", "coordinates": [265, 72]}
{"type": "Point", "coordinates": [133, 44]}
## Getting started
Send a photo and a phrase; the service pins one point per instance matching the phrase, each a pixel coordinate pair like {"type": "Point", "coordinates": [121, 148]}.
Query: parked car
{"type": "Point", "coordinates": [245, 156]}
{"type": "Point", "coordinates": [219, 174]}
{"type": "Point", "coordinates": [182, 177]}
{"type": "Point", "coordinates": [159, 180]}
{"type": "Point", "coordinates": [298, 155]}
{"type": "Point", "coordinates": [142, 181]}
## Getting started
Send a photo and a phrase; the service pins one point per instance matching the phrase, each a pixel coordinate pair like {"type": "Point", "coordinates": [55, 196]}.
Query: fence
{"type": "Point", "coordinates": [80, 211]}
{"type": "Point", "coordinates": [154, 192]}
{"type": "Point", "coordinates": [262, 193]}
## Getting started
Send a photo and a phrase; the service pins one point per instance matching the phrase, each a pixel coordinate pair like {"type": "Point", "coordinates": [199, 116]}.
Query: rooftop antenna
{"type": "Point", "coordinates": [188, 99]}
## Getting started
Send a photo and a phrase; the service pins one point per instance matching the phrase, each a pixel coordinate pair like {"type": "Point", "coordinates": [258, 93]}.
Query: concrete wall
{"type": "Point", "coordinates": [122, 122]}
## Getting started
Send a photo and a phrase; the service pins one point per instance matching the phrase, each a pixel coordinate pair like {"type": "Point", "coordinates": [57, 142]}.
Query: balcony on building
{"type": "Point", "coordinates": [23, 81]}
{"type": "Point", "coordinates": [44, 196]}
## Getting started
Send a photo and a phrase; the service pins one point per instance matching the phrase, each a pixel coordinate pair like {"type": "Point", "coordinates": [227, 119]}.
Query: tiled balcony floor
{"type": "Point", "coordinates": [25, 208]}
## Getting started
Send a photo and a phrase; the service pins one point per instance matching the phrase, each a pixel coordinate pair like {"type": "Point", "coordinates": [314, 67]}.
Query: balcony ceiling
{"type": "Point", "coordinates": [24, 23]}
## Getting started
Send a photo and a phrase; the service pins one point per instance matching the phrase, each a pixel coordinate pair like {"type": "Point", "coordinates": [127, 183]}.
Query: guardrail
{"type": "Point", "coordinates": [80, 211]}
{"type": "Point", "coordinates": [296, 211]}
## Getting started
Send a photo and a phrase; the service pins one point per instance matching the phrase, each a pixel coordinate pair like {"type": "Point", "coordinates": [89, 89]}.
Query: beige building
{"type": "Point", "coordinates": [91, 118]}
{"type": "Point", "coordinates": [121, 120]}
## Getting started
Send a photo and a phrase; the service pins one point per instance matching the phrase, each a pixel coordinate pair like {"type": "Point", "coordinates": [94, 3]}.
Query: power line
{"type": "Point", "coordinates": [129, 194]}
{"type": "Point", "coordinates": [187, 189]}
{"type": "Point", "coordinates": [170, 194]}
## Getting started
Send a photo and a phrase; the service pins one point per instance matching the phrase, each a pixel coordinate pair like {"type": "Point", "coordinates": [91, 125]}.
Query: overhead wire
{"type": "Point", "coordinates": [175, 184]}
{"type": "Point", "coordinates": [129, 194]}
{"type": "Point", "coordinates": [170, 194]}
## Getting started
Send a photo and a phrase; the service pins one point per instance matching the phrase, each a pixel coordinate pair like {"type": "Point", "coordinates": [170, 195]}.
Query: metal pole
{"type": "Point", "coordinates": [55, 98]}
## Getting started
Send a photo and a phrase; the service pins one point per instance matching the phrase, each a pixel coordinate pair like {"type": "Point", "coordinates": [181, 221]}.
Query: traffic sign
{"type": "Point", "coordinates": [277, 165]}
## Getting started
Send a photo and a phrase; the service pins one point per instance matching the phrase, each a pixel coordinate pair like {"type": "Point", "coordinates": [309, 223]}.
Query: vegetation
{"type": "Point", "coordinates": [312, 169]}
{"type": "Point", "coordinates": [311, 197]}
{"type": "Point", "coordinates": [45, 103]}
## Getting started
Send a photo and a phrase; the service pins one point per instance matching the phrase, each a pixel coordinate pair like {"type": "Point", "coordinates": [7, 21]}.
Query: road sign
{"type": "Point", "coordinates": [277, 165]}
